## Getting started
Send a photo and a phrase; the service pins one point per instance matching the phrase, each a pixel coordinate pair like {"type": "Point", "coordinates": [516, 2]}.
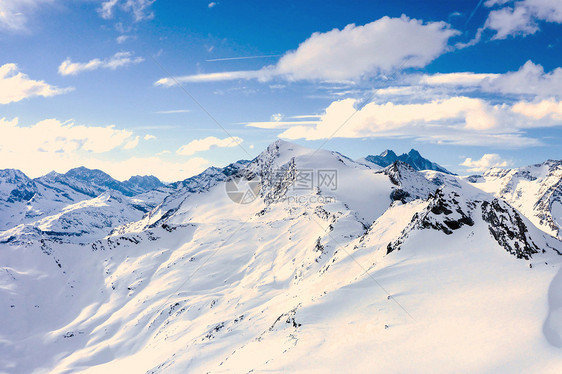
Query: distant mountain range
{"type": "Point", "coordinates": [24, 200]}
{"type": "Point", "coordinates": [412, 158]}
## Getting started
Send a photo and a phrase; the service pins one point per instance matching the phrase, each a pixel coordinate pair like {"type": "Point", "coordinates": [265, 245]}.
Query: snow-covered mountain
{"type": "Point", "coordinates": [534, 190]}
{"type": "Point", "coordinates": [93, 182]}
{"type": "Point", "coordinates": [334, 265]}
{"type": "Point", "coordinates": [412, 158]}
{"type": "Point", "coordinates": [25, 201]}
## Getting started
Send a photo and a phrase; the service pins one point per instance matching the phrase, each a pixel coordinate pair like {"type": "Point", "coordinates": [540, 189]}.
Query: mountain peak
{"type": "Point", "coordinates": [389, 153]}
{"type": "Point", "coordinates": [414, 153]}
{"type": "Point", "coordinates": [83, 172]}
{"type": "Point", "coordinates": [412, 158]}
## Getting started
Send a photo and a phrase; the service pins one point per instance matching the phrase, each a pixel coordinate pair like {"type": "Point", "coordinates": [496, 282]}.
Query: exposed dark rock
{"type": "Point", "coordinates": [508, 228]}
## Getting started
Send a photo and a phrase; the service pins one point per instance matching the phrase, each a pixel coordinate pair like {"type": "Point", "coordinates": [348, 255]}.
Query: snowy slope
{"type": "Point", "coordinates": [82, 222]}
{"type": "Point", "coordinates": [535, 190]}
{"type": "Point", "coordinates": [443, 277]}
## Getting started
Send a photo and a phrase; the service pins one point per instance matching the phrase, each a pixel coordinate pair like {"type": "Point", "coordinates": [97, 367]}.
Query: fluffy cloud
{"type": "Point", "coordinates": [382, 45]}
{"type": "Point", "coordinates": [200, 145]}
{"type": "Point", "coordinates": [16, 86]}
{"type": "Point", "coordinates": [52, 145]}
{"type": "Point", "coordinates": [377, 119]}
{"type": "Point", "coordinates": [166, 170]}
{"type": "Point", "coordinates": [14, 13]}
{"type": "Point", "coordinates": [541, 109]}
{"type": "Point", "coordinates": [530, 79]}
{"type": "Point", "coordinates": [351, 53]}
{"type": "Point", "coordinates": [118, 60]}
{"type": "Point", "coordinates": [454, 120]}
{"type": "Point", "coordinates": [522, 17]}
{"type": "Point", "coordinates": [52, 136]}
{"type": "Point", "coordinates": [140, 9]}
{"type": "Point", "coordinates": [489, 160]}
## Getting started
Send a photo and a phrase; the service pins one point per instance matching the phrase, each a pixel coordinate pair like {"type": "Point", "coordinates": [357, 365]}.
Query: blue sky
{"type": "Point", "coordinates": [470, 84]}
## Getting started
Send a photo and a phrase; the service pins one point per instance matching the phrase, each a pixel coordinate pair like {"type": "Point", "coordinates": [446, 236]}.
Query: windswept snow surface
{"type": "Point", "coordinates": [294, 281]}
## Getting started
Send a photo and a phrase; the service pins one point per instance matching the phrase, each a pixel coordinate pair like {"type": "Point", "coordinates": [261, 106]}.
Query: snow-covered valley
{"type": "Point", "coordinates": [389, 269]}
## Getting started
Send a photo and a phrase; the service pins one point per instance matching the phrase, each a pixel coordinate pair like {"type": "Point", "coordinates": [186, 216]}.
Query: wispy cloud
{"type": "Point", "coordinates": [457, 79]}
{"type": "Point", "coordinates": [16, 86]}
{"type": "Point", "coordinates": [14, 14]}
{"type": "Point", "coordinates": [262, 75]}
{"type": "Point", "coordinates": [140, 9]}
{"type": "Point", "coordinates": [120, 59]}
{"type": "Point", "coordinates": [173, 111]}
{"type": "Point", "coordinates": [200, 145]}
{"type": "Point", "coordinates": [122, 38]}
{"type": "Point", "coordinates": [241, 58]}
{"type": "Point", "coordinates": [279, 124]}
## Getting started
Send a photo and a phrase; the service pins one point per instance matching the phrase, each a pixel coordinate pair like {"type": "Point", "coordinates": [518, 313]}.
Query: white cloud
{"type": "Point", "coordinates": [454, 79]}
{"type": "Point", "coordinates": [453, 120]}
{"type": "Point", "coordinates": [382, 45]}
{"type": "Point", "coordinates": [529, 79]}
{"type": "Point", "coordinates": [120, 59]}
{"type": "Point", "coordinates": [377, 119]}
{"type": "Point", "coordinates": [522, 18]}
{"type": "Point", "coordinates": [261, 75]}
{"type": "Point", "coordinates": [149, 137]}
{"type": "Point", "coordinates": [279, 124]}
{"type": "Point", "coordinates": [511, 21]}
{"type": "Point", "coordinates": [276, 117]}
{"type": "Point", "coordinates": [541, 109]}
{"type": "Point", "coordinates": [491, 3]}
{"type": "Point", "coordinates": [14, 13]}
{"type": "Point", "coordinates": [164, 169]}
{"type": "Point", "coordinates": [16, 86]}
{"type": "Point", "coordinates": [173, 111]}
{"type": "Point", "coordinates": [207, 143]}
{"type": "Point", "coordinates": [122, 39]}
{"type": "Point", "coordinates": [351, 53]}
{"type": "Point", "coordinates": [212, 4]}
{"type": "Point", "coordinates": [53, 136]}
{"type": "Point", "coordinates": [488, 160]}
{"type": "Point", "coordinates": [132, 143]}
{"type": "Point", "coordinates": [53, 145]}
{"type": "Point", "coordinates": [107, 9]}
{"type": "Point", "coordinates": [140, 9]}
